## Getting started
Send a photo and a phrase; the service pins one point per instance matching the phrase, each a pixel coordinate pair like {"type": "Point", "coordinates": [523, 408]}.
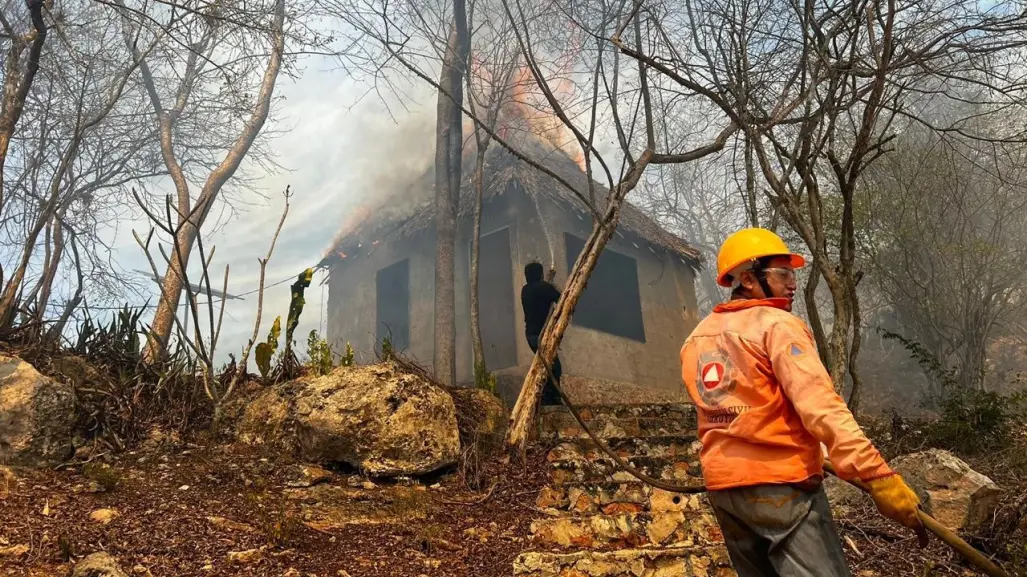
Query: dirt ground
{"type": "Point", "coordinates": [192, 511]}
{"type": "Point", "coordinates": [185, 512]}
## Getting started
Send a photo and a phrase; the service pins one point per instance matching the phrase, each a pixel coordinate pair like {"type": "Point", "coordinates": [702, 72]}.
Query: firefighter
{"type": "Point", "coordinates": [538, 296]}
{"type": "Point", "coordinates": [766, 404]}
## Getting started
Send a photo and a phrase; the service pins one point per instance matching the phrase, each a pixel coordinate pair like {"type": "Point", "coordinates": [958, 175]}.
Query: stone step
{"type": "Point", "coordinates": [684, 446]}
{"type": "Point", "coordinates": [562, 425]}
{"type": "Point", "coordinates": [664, 562]}
{"type": "Point", "coordinates": [606, 470]}
{"type": "Point", "coordinates": [612, 498]}
{"type": "Point", "coordinates": [671, 528]}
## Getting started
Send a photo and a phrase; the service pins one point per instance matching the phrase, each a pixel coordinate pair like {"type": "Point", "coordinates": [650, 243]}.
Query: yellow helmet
{"type": "Point", "coordinates": [747, 245]}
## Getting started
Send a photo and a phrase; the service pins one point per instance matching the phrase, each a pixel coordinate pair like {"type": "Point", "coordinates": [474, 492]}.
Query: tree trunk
{"type": "Point", "coordinates": [448, 152]}
{"type": "Point", "coordinates": [69, 308]}
{"type": "Point", "coordinates": [856, 394]}
{"type": "Point", "coordinates": [522, 416]}
{"type": "Point", "coordinates": [480, 368]}
{"type": "Point", "coordinates": [50, 274]}
{"type": "Point", "coordinates": [171, 289]}
{"type": "Point", "coordinates": [17, 84]}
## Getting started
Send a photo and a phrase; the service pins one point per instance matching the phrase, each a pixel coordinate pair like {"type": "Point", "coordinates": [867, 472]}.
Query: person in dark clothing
{"type": "Point", "coordinates": [537, 298]}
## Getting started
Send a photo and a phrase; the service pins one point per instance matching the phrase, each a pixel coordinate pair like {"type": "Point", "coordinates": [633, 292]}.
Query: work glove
{"type": "Point", "coordinates": [895, 500]}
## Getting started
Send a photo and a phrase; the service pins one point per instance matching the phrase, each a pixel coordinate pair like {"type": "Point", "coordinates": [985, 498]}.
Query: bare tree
{"type": "Point", "coordinates": [948, 244]}
{"type": "Point", "coordinates": [815, 89]}
{"type": "Point", "coordinates": [489, 79]}
{"type": "Point", "coordinates": [448, 177]}
{"type": "Point", "coordinates": [81, 140]}
{"type": "Point", "coordinates": [224, 87]}
{"type": "Point", "coordinates": [19, 72]}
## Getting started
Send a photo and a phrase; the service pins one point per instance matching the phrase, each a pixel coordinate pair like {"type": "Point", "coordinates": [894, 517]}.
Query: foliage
{"type": "Point", "coordinates": [118, 396]}
{"type": "Point", "coordinates": [275, 521]}
{"type": "Point", "coordinates": [387, 353]}
{"type": "Point", "coordinates": [319, 354]}
{"type": "Point", "coordinates": [267, 349]}
{"type": "Point", "coordinates": [296, 305]}
{"type": "Point", "coordinates": [116, 342]}
{"type": "Point", "coordinates": [971, 419]}
{"type": "Point", "coordinates": [348, 358]}
{"type": "Point", "coordinates": [483, 379]}
{"type": "Point", "coordinates": [103, 474]}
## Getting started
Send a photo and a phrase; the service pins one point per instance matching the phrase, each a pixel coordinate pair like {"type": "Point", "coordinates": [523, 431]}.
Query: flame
{"type": "Point", "coordinates": [525, 108]}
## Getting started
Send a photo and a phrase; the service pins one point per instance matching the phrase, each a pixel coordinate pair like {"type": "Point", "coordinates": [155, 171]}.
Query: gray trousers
{"type": "Point", "coordinates": [779, 531]}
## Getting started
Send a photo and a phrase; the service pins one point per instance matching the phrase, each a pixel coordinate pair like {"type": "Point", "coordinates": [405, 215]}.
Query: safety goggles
{"type": "Point", "coordinates": [786, 275]}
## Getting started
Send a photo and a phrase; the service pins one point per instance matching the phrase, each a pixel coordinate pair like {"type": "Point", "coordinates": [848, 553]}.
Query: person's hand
{"type": "Point", "coordinates": [895, 500]}
{"type": "Point", "coordinates": [551, 275]}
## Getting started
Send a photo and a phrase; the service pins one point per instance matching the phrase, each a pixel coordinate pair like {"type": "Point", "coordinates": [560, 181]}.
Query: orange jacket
{"type": "Point", "coordinates": [765, 401]}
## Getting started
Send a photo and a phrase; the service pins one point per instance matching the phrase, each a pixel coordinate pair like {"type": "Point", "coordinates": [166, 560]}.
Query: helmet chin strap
{"type": "Point", "coordinates": [761, 277]}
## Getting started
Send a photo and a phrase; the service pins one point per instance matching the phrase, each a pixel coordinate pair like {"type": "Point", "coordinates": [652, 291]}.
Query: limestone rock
{"type": "Point", "coordinates": [265, 419]}
{"type": "Point", "coordinates": [14, 551]}
{"type": "Point", "coordinates": [37, 416]}
{"type": "Point", "coordinates": [379, 419]}
{"type": "Point", "coordinates": [98, 565]}
{"type": "Point", "coordinates": [104, 516]}
{"type": "Point", "coordinates": [843, 496]}
{"type": "Point", "coordinates": [308, 476]}
{"type": "Point", "coordinates": [956, 495]}
{"type": "Point", "coordinates": [247, 557]}
{"type": "Point", "coordinates": [486, 411]}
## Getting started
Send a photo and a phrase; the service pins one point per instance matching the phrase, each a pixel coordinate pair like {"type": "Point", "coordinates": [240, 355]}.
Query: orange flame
{"type": "Point", "coordinates": [525, 108]}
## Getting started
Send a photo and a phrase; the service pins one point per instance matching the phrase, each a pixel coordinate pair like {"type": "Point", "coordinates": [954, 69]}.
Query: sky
{"type": "Point", "coordinates": [339, 146]}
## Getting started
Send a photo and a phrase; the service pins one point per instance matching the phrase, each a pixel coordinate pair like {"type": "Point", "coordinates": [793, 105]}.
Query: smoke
{"type": "Point", "coordinates": [406, 152]}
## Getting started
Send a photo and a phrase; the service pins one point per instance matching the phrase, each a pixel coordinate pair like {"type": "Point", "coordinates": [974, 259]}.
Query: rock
{"type": "Point", "coordinates": [484, 412]}
{"type": "Point", "coordinates": [247, 557]}
{"type": "Point", "coordinates": [142, 571]}
{"type": "Point", "coordinates": [98, 565]}
{"type": "Point", "coordinates": [308, 476]}
{"type": "Point", "coordinates": [160, 440]}
{"type": "Point", "coordinates": [956, 495]}
{"type": "Point", "coordinates": [37, 416]}
{"type": "Point", "coordinates": [265, 420]}
{"type": "Point", "coordinates": [291, 572]}
{"type": "Point", "coordinates": [222, 523]}
{"type": "Point", "coordinates": [843, 496]}
{"type": "Point", "coordinates": [376, 418]}
{"type": "Point", "coordinates": [104, 516]}
{"type": "Point", "coordinates": [14, 551]}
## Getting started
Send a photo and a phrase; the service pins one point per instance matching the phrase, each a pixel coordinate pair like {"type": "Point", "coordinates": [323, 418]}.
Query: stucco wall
{"type": "Point", "coordinates": [667, 293]}
{"type": "Point", "coordinates": [666, 289]}
{"type": "Point", "coordinates": [351, 296]}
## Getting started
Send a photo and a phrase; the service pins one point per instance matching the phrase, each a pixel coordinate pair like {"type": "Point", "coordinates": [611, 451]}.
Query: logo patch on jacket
{"type": "Point", "coordinates": [712, 375]}
{"type": "Point", "coordinates": [715, 379]}
{"type": "Point", "coordinates": [795, 350]}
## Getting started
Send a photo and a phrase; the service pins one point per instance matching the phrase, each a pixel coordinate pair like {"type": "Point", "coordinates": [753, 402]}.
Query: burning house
{"type": "Point", "coordinates": [628, 326]}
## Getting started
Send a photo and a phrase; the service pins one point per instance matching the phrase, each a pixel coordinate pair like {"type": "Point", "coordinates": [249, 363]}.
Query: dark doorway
{"type": "Point", "coordinates": [392, 287]}
{"type": "Point", "coordinates": [610, 302]}
{"type": "Point", "coordinates": [496, 300]}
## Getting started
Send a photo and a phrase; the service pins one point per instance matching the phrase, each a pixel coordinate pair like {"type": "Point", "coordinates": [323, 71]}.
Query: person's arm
{"type": "Point", "coordinates": [808, 386]}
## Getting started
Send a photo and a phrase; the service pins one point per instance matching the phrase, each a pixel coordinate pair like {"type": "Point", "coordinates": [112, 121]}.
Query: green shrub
{"type": "Point", "coordinates": [970, 420]}
{"type": "Point", "coordinates": [483, 379]}
{"type": "Point", "coordinates": [347, 359]}
{"type": "Point", "coordinates": [267, 349]}
{"type": "Point", "coordinates": [319, 354]}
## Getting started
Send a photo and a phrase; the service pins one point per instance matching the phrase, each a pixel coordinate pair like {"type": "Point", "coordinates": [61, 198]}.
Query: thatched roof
{"type": "Point", "coordinates": [502, 169]}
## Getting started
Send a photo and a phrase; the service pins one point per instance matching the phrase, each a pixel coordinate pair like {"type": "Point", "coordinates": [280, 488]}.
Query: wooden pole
{"type": "Point", "coordinates": [942, 532]}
